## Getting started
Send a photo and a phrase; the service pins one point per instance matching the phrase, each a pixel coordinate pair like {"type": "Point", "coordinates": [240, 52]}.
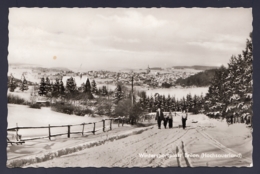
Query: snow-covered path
{"type": "Point", "coordinates": [163, 143]}
{"type": "Point", "coordinates": [208, 136]}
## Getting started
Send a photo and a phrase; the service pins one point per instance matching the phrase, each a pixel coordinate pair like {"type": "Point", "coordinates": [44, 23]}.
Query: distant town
{"type": "Point", "coordinates": [154, 77]}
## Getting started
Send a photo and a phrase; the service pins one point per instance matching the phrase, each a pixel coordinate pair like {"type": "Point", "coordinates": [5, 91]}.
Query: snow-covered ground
{"type": "Point", "coordinates": [28, 117]}
{"type": "Point", "coordinates": [208, 136]}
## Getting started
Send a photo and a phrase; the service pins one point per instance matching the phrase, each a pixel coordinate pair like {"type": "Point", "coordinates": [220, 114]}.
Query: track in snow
{"type": "Point", "coordinates": [126, 152]}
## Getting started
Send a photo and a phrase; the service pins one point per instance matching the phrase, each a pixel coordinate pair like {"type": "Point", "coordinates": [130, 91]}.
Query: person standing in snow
{"type": "Point", "coordinates": [166, 119]}
{"type": "Point", "coordinates": [170, 119]}
{"type": "Point", "coordinates": [159, 117]}
{"type": "Point", "coordinates": [184, 119]}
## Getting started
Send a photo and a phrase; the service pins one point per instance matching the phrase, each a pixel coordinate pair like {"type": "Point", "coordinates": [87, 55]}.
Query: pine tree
{"type": "Point", "coordinates": [61, 87]}
{"type": "Point", "coordinates": [188, 102]}
{"type": "Point", "coordinates": [216, 96]}
{"type": "Point", "coordinates": [231, 90]}
{"type": "Point", "coordinates": [141, 102]}
{"type": "Point", "coordinates": [87, 87]}
{"type": "Point", "coordinates": [168, 103]}
{"type": "Point", "coordinates": [42, 89]}
{"type": "Point", "coordinates": [24, 85]}
{"type": "Point", "coordinates": [178, 106]}
{"type": "Point", "coordinates": [247, 80]}
{"type": "Point", "coordinates": [201, 104]}
{"type": "Point", "coordinates": [144, 101]}
{"type": "Point", "coordinates": [173, 104]}
{"type": "Point", "coordinates": [157, 100]}
{"type": "Point", "coordinates": [94, 87]}
{"type": "Point", "coordinates": [51, 87]}
{"type": "Point", "coordinates": [195, 101]}
{"type": "Point", "coordinates": [12, 84]}
{"type": "Point", "coordinates": [231, 85]}
{"type": "Point", "coordinates": [152, 107]}
{"type": "Point", "coordinates": [240, 72]}
{"type": "Point", "coordinates": [82, 88]}
{"type": "Point", "coordinates": [56, 86]}
{"type": "Point", "coordinates": [71, 86]}
{"type": "Point", "coordinates": [183, 104]}
{"type": "Point", "coordinates": [118, 94]}
{"type": "Point", "coordinates": [47, 85]}
{"type": "Point", "coordinates": [104, 91]}
{"type": "Point", "coordinates": [148, 103]}
{"type": "Point", "coordinates": [163, 102]}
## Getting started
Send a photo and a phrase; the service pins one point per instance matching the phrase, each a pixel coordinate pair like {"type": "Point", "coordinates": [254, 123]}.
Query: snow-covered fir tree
{"type": "Point", "coordinates": [56, 86]}
{"type": "Point", "coordinates": [42, 88]}
{"type": "Point", "coordinates": [24, 85]}
{"type": "Point", "coordinates": [94, 87]}
{"type": "Point", "coordinates": [231, 91]}
{"type": "Point", "coordinates": [104, 91]}
{"type": "Point", "coordinates": [70, 85]}
{"type": "Point", "coordinates": [215, 98]}
{"type": "Point", "coordinates": [61, 87]}
{"type": "Point", "coordinates": [240, 73]}
{"type": "Point", "coordinates": [119, 94]}
{"type": "Point", "coordinates": [87, 87]}
{"type": "Point", "coordinates": [47, 85]}
{"type": "Point", "coordinates": [12, 84]}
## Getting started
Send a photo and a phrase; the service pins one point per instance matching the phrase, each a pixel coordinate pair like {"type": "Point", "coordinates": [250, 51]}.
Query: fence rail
{"type": "Point", "coordinates": [19, 138]}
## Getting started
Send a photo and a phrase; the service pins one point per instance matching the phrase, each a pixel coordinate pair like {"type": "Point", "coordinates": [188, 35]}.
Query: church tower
{"type": "Point", "coordinates": [148, 70]}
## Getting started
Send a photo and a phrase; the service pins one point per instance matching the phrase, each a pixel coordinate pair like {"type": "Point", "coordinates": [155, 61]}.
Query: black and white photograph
{"type": "Point", "coordinates": [129, 87]}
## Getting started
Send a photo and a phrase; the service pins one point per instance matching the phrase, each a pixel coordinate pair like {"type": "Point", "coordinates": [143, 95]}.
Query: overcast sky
{"type": "Point", "coordinates": [107, 38]}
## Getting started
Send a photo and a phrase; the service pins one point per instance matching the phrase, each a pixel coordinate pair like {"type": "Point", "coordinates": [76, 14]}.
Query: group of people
{"type": "Point", "coordinates": [169, 118]}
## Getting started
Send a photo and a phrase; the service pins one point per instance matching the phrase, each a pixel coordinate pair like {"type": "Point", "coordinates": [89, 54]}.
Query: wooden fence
{"type": "Point", "coordinates": [19, 139]}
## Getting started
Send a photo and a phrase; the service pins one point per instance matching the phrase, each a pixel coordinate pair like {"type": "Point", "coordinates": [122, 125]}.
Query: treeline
{"type": "Point", "coordinates": [200, 79]}
{"type": "Point", "coordinates": [196, 67]}
{"type": "Point", "coordinates": [118, 102]}
{"type": "Point", "coordinates": [191, 103]}
{"type": "Point", "coordinates": [230, 91]}
{"type": "Point", "coordinates": [70, 90]}
{"type": "Point", "coordinates": [13, 83]}
{"type": "Point", "coordinates": [71, 99]}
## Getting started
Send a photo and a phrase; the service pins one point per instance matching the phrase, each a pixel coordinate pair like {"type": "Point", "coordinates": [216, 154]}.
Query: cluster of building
{"type": "Point", "coordinates": [148, 77]}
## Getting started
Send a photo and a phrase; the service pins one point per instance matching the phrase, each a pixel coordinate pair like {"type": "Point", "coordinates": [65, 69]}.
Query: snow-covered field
{"type": "Point", "coordinates": [28, 117]}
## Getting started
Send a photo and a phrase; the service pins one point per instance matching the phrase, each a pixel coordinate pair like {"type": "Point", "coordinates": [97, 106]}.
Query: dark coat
{"type": "Point", "coordinates": [161, 115]}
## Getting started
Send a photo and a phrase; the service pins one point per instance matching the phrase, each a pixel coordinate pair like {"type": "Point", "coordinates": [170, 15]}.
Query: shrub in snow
{"type": "Point", "coordinates": [13, 99]}
{"type": "Point", "coordinates": [35, 105]}
{"type": "Point", "coordinates": [63, 108]}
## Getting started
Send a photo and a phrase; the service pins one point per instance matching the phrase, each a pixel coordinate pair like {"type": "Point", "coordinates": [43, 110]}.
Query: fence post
{"type": "Point", "coordinates": [49, 132]}
{"type": "Point", "coordinates": [110, 124]}
{"type": "Point", "coordinates": [118, 120]}
{"type": "Point", "coordinates": [104, 126]}
{"type": "Point", "coordinates": [16, 130]}
{"type": "Point", "coordinates": [122, 122]}
{"type": "Point", "coordinates": [68, 131]}
{"type": "Point", "coordinates": [94, 128]}
{"type": "Point", "coordinates": [83, 129]}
